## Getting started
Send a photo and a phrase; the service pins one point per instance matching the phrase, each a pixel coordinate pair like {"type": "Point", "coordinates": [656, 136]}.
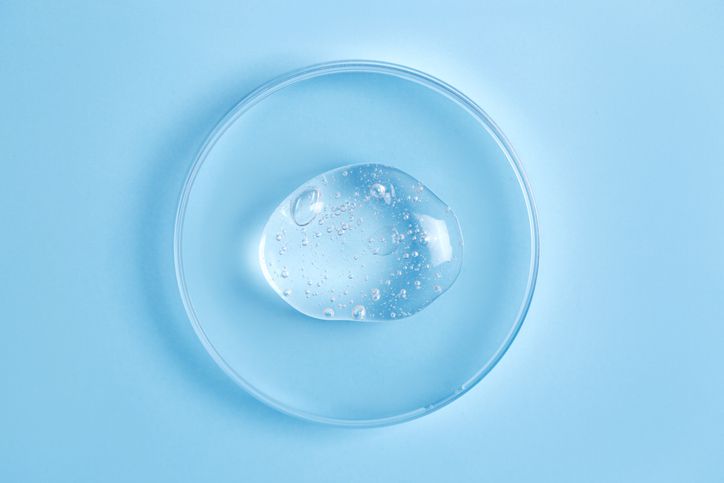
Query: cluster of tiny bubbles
{"type": "Point", "coordinates": [365, 242]}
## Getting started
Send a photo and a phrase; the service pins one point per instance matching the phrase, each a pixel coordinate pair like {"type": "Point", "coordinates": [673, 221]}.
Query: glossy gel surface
{"type": "Point", "coordinates": [364, 242]}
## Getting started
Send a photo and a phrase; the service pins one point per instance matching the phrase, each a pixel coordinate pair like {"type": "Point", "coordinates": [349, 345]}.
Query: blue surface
{"type": "Point", "coordinates": [616, 111]}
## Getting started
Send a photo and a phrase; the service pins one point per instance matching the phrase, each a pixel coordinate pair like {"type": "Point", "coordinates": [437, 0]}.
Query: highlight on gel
{"type": "Point", "coordinates": [362, 242]}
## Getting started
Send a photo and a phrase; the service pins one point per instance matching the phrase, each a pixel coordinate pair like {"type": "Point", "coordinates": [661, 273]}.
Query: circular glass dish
{"type": "Point", "coordinates": [344, 372]}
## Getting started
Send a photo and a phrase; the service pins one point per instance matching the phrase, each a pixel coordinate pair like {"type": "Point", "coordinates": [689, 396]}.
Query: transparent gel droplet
{"type": "Point", "coordinates": [374, 243]}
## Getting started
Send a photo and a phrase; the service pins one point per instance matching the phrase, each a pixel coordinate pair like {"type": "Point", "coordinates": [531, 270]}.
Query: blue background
{"type": "Point", "coordinates": [617, 112]}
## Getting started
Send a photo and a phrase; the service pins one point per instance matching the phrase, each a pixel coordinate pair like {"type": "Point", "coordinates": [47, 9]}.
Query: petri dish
{"type": "Point", "coordinates": [317, 119]}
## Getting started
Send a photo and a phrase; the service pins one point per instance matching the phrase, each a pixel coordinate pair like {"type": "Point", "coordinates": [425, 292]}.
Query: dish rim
{"type": "Point", "coordinates": [330, 68]}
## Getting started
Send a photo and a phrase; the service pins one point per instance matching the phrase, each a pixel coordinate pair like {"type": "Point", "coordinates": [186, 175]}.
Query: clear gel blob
{"type": "Point", "coordinates": [366, 243]}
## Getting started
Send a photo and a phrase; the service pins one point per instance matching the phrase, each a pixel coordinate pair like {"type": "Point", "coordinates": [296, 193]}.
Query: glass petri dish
{"type": "Point", "coordinates": [347, 372]}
